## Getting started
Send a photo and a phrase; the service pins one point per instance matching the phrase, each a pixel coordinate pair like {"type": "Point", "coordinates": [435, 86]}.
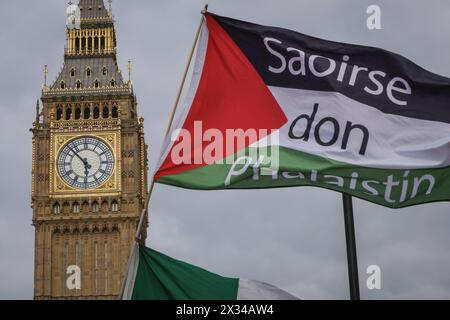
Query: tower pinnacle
{"type": "Point", "coordinates": [45, 71]}
{"type": "Point", "coordinates": [37, 111]}
{"type": "Point", "coordinates": [129, 68]}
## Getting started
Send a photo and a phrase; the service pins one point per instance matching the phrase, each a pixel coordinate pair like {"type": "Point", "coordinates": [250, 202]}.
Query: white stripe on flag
{"type": "Point", "coordinates": [395, 142]}
{"type": "Point", "coordinates": [190, 94]}
{"type": "Point", "coordinates": [255, 290]}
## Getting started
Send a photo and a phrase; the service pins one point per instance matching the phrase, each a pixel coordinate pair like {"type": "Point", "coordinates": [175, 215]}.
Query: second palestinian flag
{"type": "Point", "coordinates": [155, 276]}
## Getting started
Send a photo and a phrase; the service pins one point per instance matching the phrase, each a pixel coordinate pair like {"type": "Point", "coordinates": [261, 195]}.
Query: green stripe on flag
{"type": "Point", "coordinates": [160, 277]}
{"type": "Point", "coordinates": [394, 188]}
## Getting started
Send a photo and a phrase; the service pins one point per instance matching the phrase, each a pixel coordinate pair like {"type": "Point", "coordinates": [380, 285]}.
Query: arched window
{"type": "Point", "coordinates": [72, 72]}
{"type": "Point", "coordinates": [96, 113]}
{"type": "Point", "coordinates": [77, 44]}
{"type": "Point", "coordinates": [104, 206]}
{"type": "Point", "coordinates": [63, 85]}
{"type": "Point", "coordinates": [76, 207]}
{"type": "Point", "coordinates": [114, 206]}
{"type": "Point", "coordinates": [105, 112]}
{"type": "Point", "coordinates": [105, 71]}
{"type": "Point", "coordinates": [78, 84]}
{"type": "Point", "coordinates": [68, 113]}
{"type": "Point", "coordinates": [83, 44]}
{"type": "Point", "coordinates": [96, 84]}
{"type": "Point", "coordinates": [56, 208]}
{"type": "Point", "coordinates": [59, 114]}
{"type": "Point", "coordinates": [113, 83]}
{"type": "Point", "coordinates": [87, 113]}
{"type": "Point", "coordinates": [95, 207]}
{"type": "Point", "coordinates": [78, 113]}
{"type": "Point", "coordinates": [96, 43]}
{"type": "Point", "coordinates": [102, 43]}
{"type": "Point", "coordinates": [89, 44]}
{"type": "Point", "coordinates": [115, 112]}
{"type": "Point", "coordinates": [88, 72]}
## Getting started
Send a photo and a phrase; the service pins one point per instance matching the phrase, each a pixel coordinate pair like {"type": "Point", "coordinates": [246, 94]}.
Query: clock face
{"type": "Point", "coordinates": [86, 163]}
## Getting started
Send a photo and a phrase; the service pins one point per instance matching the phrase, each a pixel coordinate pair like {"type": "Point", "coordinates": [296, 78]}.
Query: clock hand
{"type": "Point", "coordinates": [87, 166]}
{"type": "Point", "coordinates": [86, 163]}
{"type": "Point", "coordinates": [83, 160]}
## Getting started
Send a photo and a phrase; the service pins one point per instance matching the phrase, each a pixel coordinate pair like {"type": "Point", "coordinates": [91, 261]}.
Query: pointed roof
{"type": "Point", "coordinates": [75, 70]}
{"type": "Point", "coordinates": [92, 9]}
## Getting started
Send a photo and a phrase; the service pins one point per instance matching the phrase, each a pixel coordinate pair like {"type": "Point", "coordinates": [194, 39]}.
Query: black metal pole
{"type": "Point", "coordinates": [352, 260]}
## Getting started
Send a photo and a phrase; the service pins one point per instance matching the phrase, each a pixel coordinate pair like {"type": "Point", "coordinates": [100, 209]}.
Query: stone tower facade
{"type": "Point", "coordinates": [89, 171]}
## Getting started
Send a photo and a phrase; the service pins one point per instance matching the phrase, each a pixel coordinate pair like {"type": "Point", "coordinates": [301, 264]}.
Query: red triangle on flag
{"type": "Point", "coordinates": [231, 95]}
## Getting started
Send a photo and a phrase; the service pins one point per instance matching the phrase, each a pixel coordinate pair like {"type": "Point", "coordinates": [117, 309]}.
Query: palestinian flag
{"type": "Point", "coordinates": [269, 107]}
{"type": "Point", "coordinates": [155, 276]}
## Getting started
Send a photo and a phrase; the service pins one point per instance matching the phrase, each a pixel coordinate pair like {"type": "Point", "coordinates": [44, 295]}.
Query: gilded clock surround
{"type": "Point", "coordinates": [60, 189]}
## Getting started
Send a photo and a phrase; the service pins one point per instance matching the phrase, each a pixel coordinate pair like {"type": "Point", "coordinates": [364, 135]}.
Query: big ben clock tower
{"type": "Point", "coordinates": [89, 176]}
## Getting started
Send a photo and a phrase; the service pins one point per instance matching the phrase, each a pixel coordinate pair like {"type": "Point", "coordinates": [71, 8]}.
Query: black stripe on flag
{"type": "Point", "coordinates": [381, 79]}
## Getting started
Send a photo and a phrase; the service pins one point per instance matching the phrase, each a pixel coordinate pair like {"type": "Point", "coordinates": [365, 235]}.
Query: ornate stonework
{"type": "Point", "coordinates": [94, 228]}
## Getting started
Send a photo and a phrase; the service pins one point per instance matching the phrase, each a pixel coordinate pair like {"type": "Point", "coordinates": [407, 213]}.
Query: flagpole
{"type": "Point", "coordinates": [174, 111]}
{"type": "Point", "coordinates": [144, 214]}
{"type": "Point", "coordinates": [352, 261]}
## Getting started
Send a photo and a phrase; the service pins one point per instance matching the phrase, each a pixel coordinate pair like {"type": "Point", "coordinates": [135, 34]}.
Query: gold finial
{"type": "Point", "coordinates": [45, 75]}
{"type": "Point", "coordinates": [129, 68]}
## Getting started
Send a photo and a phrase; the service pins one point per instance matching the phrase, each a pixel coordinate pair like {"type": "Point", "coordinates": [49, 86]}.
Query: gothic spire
{"type": "Point", "coordinates": [90, 62]}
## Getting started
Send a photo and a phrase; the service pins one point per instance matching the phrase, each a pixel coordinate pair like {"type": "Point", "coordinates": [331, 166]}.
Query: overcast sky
{"type": "Point", "coordinates": [293, 238]}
